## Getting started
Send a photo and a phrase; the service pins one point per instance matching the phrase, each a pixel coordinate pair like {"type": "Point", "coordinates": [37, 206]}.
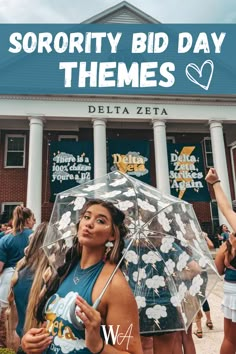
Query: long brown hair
{"type": "Point", "coordinates": [36, 260]}
{"type": "Point", "coordinates": [74, 253]}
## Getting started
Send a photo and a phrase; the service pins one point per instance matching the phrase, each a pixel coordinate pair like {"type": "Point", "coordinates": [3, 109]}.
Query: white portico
{"type": "Point", "coordinates": [162, 115]}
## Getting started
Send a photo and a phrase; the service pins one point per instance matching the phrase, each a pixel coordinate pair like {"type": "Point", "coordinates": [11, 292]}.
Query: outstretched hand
{"type": "Point", "coordinates": [212, 176]}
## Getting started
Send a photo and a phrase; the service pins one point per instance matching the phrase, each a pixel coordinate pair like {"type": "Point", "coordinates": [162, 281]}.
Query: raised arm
{"type": "Point", "coordinates": [222, 201]}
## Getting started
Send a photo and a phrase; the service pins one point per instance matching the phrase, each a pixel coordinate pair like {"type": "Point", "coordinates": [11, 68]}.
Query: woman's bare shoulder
{"type": "Point", "coordinates": [222, 248]}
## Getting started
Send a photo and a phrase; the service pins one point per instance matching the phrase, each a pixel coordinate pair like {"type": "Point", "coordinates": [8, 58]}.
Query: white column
{"type": "Point", "coordinates": [219, 158]}
{"type": "Point", "coordinates": [34, 185]}
{"type": "Point", "coordinates": [161, 156]}
{"type": "Point", "coordinates": [100, 154]}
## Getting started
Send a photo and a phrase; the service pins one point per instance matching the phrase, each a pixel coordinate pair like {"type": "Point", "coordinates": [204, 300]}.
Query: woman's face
{"type": "Point", "coordinates": [224, 228]}
{"type": "Point", "coordinates": [95, 227]}
{"type": "Point", "coordinates": [30, 222]}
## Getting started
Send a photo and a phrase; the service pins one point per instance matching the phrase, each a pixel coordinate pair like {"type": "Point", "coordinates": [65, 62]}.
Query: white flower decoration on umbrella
{"type": "Point", "coordinates": [119, 182]}
{"type": "Point", "coordinates": [94, 187]}
{"type": "Point", "coordinates": [183, 259]}
{"type": "Point", "coordinates": [167, 244]}
{"type": "Point", "coordinates": [110, 194]}
{"type": "Point", "coordinates": [69, 242]}
{"type": "Point", "coordinates": [146, 206]}
{"type": "Point", "coordinates": [65, 220]}
{"type": "Point", "coordinates": [170, 266]}
{"type": "Point", "coordinates": [129, 193]}
{"type": "Point", "coordinates": [169, 209]}
{"type": "Point", "coordinates": [141, 301]}
{"type": "Point", "coordinates": [131, 257]}
{"type": "Point", "coordinates": [62, 196]}
{"type": "Point", "coordinates": [164, 221]}
{"type": "Point", "coordinates": [182, 291]}
{"type": "Point", "coordinates": [66, 234]}
{"type": "Point", "coordinates": [175, 300]}
{"type": "Point", "coordinates": [79, 203]}
{"type": "Point", "coordinates": [151, 257]}
{"type": "Point", "coordinates": [148, 194]}
{"type": "Point", "coordinates": [141, 274]}
{"type": "Point", "coordinates": [125, 205]}
{"type": "Point", "coordinates": [180, 223]}
{"type": "Point", "coordinates": [179, 296]}
{"type": "Point", "coordinates": [196, 285]}
{"type": "Point", "coordinates": [156, 312]}
{"type": "Point", "coordinates": [195, 230]}
{"type": "Point", "coordinates": [203, 261]}
{"type": "Point", "coordinates": [157, 281]}
{"type": "Point", "coordinates": [180, 237]}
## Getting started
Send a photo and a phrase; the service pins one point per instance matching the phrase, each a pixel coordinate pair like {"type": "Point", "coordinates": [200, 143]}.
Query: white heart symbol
{"type": "Point", "coordinates": [199, 72]}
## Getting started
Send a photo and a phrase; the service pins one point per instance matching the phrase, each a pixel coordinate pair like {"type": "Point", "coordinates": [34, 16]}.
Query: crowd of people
{"type": "Point", "coordinates": [50, 310]}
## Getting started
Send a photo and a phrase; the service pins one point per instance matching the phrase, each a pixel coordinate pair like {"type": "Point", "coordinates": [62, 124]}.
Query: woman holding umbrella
{"type": "Point", "coordinates": [79, 283]}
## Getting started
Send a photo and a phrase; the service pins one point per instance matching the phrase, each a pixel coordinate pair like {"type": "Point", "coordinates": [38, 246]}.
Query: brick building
{"type": "Point", "coordinates": [29, 125]}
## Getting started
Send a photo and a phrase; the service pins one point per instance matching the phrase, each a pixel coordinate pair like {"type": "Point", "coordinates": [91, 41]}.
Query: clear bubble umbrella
{"type": "Point", "coordinates": [166, 259]}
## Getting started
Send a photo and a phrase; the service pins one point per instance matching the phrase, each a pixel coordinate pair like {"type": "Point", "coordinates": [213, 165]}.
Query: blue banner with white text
{"type": "Point", "coordinates": [186, 172]}
{"type": "Point", "coordinates": [189, 59]}
{"type": "Point", "coordinates": [71, 164]}
{"type": "Point", "coordinates": [131, 157]}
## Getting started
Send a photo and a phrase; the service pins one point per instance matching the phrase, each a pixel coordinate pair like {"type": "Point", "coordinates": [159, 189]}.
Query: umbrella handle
{"type": "Point", "coordinates": [76, 321]}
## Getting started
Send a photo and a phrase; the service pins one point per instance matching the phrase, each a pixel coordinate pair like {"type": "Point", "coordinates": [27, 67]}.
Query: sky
{"type": "Point", "coordinates": [76, 11]}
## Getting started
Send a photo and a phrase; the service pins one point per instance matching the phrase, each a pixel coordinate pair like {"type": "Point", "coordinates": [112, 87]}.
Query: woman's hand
{"type": "Point", "coordinates": [232, 240]}
{"type": "Point", "coordinates": [36, 340]}
{"type": "Point", "coordinates": [92, 322]}
{"type": "Point", "coordinates": [212, 176]}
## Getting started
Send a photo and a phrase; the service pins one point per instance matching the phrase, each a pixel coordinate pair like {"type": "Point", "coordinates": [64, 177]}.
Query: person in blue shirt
{"type": "Point", "coordinates": [11, 251]}
{"type": "Point", "coordinates": [26, 285]}
{"type": "Point", "coordinates": [79, 283]}
{"type": "Point", "coordinates": [224, 233]}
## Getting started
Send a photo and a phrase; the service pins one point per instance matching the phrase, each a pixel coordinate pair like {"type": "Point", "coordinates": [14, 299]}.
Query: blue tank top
{"type": "Point", "coordinates": [21, 294]}
{"type": "Point", "coordinates": [66, 338]}
{"type": "Point", "coordinates": [230, 275]}
{"type": "Point", "coordinates": [12, 247]}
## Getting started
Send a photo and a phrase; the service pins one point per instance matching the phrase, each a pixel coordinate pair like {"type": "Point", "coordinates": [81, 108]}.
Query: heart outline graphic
{"type": "Point", "coordinates": [199, 71]}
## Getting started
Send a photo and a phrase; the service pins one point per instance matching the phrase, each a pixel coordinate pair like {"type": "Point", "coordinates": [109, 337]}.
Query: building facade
{"type": "Point", "coordinates": [30, 125]}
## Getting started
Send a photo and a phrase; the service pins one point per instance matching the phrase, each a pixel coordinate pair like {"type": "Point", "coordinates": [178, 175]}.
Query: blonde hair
{"type": "Point", "coordinates": [35, 294]}
{"type": "Point", "coordinates": [36, 260]}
